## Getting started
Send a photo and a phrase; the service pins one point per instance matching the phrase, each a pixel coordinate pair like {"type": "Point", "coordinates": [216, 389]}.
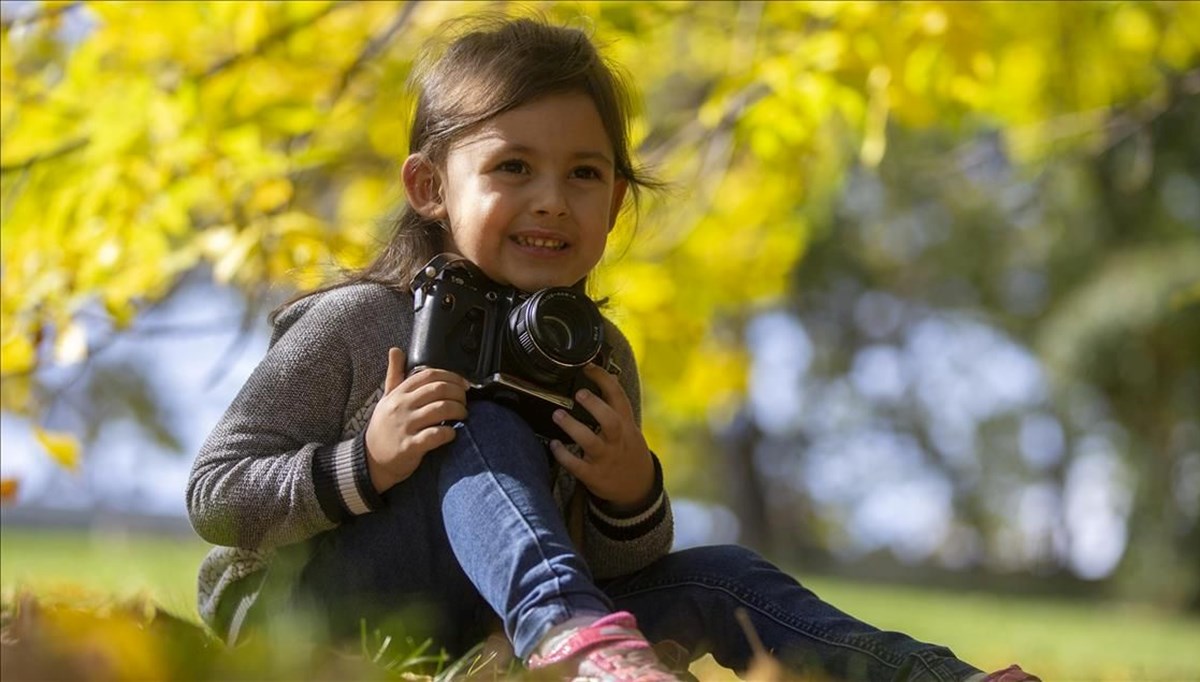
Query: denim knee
{"type": "Point", "coordinates": [487, 417]}
{"type": "Point", "coordinates": [491, 429]}
{"type": "Point", "coordinates": [724, 560]}
{"type": "Point", "coordinates": [724, 564]}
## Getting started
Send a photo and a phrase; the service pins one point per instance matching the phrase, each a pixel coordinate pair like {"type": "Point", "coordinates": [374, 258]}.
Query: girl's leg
{"type": "Point", "coordinates": [474, 530]}
{"type": "Point", "coordinates": [507, 531]}
{"type": "Point", "coordinates": [691, 597]}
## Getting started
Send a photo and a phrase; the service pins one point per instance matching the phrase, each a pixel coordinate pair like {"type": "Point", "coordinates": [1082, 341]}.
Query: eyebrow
{"type": "Point", "coordinates": [584, 154]}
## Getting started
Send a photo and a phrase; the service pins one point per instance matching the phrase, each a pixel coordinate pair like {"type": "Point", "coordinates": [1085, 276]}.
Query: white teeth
{"type": "Point", "coordinates": [539, 242]}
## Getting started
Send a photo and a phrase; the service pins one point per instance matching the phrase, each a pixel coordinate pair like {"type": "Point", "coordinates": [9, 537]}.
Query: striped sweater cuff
{"type": "Point", "coordinates": [342, 481]}
{"type": "Point", "coordinates": [634, 524]}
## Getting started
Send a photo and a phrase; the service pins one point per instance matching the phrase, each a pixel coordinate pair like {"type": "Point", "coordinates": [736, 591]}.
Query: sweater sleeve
{"type": "Point", "coordinates": [279, 467]}
{"type": "Point", "coordinates": [618, 544]}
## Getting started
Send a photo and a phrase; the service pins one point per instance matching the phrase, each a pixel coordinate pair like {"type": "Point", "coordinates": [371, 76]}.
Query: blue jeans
{"type": "Point", "coordinates": [475, 532]}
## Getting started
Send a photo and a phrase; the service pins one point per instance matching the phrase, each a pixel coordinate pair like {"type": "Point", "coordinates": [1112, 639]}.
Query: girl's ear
{"type": "Point", "coordinates": [618, 200]}
{"type": "Point", "coordinates": [422, 185]}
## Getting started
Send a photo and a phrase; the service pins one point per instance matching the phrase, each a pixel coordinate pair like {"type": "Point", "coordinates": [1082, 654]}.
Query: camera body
{"type": "Point", "coordinates": [526, 351]}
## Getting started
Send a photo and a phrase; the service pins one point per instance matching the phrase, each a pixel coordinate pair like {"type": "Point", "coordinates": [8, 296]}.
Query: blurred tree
{"type": "Point", "coordinates": [1087, 261]}
{"type": "Point", "coordinates": [262, 140]}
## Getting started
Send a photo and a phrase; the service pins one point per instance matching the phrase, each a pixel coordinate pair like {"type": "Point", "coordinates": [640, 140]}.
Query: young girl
{"type": "Point", "coordinates": [335, 466]}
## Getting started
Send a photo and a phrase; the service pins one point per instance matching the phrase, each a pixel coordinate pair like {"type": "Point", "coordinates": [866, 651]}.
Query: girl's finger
{"type": "Point", "coordinates": [430, 375]}
{"type": "Point", "coordinates": [438, 390]}
{"type": "Point", "coordinates": [395, 370]}
{"type": "Point", "coordinates": [587, 439]}
{"type": "Point", "coordinates": [610, 388]}
{"type": "Point", "coordinates": [605, 415]}
{"type": "Point", "coordinates": [574, 464]}
{"type": "Point", "coordinates": [433, 437]}
{"type": "Point", "coordinates": [438, 412]}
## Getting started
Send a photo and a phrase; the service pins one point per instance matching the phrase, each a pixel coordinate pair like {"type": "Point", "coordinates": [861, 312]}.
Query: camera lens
{"type": "Point", "coordinates": [555, 330]}
{"type": "Point", "coordinates": [558, 334]}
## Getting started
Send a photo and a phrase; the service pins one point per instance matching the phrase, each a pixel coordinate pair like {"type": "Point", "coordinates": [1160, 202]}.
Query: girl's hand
{"type": "Point", "coordinates": [616, 465]}
{"type": "Point", "coordinates": [407, 422]}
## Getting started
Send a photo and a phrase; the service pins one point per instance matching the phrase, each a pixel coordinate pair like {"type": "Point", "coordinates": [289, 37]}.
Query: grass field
{"type": "Point", "coordinates": [1060, 640]}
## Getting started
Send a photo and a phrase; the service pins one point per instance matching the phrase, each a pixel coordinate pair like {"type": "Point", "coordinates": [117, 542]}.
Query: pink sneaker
{"type": "Point", "coordinates": [609, 650]}
{"type": "Point", "coordinates": [1012, 673]}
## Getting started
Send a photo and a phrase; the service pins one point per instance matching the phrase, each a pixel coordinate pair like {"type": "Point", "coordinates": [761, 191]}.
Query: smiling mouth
{"type": "Point", "coordinates": [540, 242]}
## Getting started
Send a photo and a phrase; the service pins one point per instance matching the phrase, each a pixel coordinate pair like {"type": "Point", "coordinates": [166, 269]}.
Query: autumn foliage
{"type": "Point", "coordinates": [261, 141]}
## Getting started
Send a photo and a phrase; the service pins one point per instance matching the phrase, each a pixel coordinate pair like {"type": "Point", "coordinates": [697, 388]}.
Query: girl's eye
{"type": "Point", "coordinates": [587, 173]}
{"type": "Point", "coordinates": [513, 166]}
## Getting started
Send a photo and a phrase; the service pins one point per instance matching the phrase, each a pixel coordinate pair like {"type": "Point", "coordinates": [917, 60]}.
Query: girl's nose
{"type": "Point", "coordinates": [550, 200]}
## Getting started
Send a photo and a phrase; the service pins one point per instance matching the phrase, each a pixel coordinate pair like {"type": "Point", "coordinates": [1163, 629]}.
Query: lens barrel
{"type": "Point", "coordinates": [555, 331]}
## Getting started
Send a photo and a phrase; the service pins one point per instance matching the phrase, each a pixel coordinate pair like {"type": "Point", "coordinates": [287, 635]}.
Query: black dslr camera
{"type": "Point", "coordinates": [526, 351]}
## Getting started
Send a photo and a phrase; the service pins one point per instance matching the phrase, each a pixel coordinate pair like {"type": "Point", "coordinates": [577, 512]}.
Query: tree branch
{"type": "Point", "coordinates": [1116, 123]}
{"type": "Point", "coordinates": [224, 364]}
{"type": "Point", "coordinates": [371, 50]}
{"type": "Point", "coordinates": [46, 14]}
{"type": "Point", "coordinates": [280, 34]}
{"type": "Point", "coordinates": [68, 148]}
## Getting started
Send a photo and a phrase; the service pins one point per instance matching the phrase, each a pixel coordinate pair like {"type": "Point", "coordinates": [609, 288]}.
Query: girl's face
{"type": "Point", "coordinates": [531, 195]}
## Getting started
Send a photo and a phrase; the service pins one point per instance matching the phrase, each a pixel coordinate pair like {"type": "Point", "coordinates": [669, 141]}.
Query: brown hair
{"type": "Point", "coordinates": [489, 66]}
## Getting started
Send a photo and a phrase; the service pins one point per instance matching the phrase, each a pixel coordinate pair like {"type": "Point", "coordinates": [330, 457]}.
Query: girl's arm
{"type": "Point", "coordinates": [618, 542]}
{"type": "Point", "coordinates": [286, 461]}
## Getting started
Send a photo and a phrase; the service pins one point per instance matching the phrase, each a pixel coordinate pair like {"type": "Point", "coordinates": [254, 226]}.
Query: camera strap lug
{"type": "Point", "coordinates": [532, 389]}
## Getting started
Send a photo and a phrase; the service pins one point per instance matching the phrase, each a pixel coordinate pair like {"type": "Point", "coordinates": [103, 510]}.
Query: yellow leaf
{"type": "Point", "coordinates": [119, 307]}
{"type": "Point", "coordinates": [62, 447]}
{"type": "Point", "coordinates": [362, 200]}
{"type": "Point", "coordinates": [270, 195]}
{"type": "Point", "coordinates": [1134, 30]}
{"type": "Point", "coordinates": [234, 257]}
{"type": "Point", "coordinates": [16, 394]}
{"type": "Point", "coordinates": [875, 138]}
{"type": "Point", "coordinates": [116, 642]}
{"type": "Point", "coordinates": [8, 490]}
{"type": "Point", "coordinates": [16, 355]}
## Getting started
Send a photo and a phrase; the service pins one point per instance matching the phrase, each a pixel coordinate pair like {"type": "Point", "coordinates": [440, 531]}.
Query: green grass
{"type": "Point", "coordinates": [1060, 639]}
{"type": "Point", "coordinates": [123, 565]}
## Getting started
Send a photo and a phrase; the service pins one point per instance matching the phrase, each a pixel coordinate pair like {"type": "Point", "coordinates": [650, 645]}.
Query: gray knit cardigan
{"type": "Point", "coordinates": [287, 460]}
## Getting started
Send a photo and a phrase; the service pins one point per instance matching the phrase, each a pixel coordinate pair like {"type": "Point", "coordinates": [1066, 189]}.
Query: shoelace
{"type": "Point", "coordinates": [631, 661]}
{"type": "Point", "coordinates": [609, 650]}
